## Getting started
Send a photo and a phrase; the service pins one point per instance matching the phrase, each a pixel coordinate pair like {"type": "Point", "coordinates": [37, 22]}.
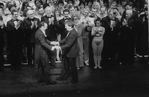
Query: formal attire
{"type": "Point", "coordinates": [51, 35]}
{"type": "Point", "coordinates": [70, 52]}
{"type": "Point", "coordinates": [62, 29]}
{"type": "Point", "coordinates": [126, 42]}
{"type": "Point", "coordinates": [110, 40]}
{"type": "Point", "coordinates": [1, 48]}
{"type": "Point", "coordinates": [30, 38]}
{"type": "Point", "coordinates": [14, 38]}
{"type": "Point", "coordinates": [41, 55]}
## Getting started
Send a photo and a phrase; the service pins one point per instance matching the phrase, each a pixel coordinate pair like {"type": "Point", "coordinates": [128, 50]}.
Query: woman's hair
{"type": "Point", "coordinates": [98, 19]}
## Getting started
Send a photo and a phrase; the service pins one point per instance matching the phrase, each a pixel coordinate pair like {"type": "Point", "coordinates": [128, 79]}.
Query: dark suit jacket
{"type": "Point", "coordinates": [69, 44]}
{"type": "Point", "coordinates": [62, 29]}
{"type": "Point", "coordinates": [51, 35]}
{"type": "Point", "coordinates": [14, 35]}
{"type": "Point", "coordinates": [30, 33]}
{"type": "Point", "coordinates": [42, 47]}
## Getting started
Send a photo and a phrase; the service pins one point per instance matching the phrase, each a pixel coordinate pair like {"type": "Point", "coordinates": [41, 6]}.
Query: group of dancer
{"type": "Point", "coordinates": [68, 31]}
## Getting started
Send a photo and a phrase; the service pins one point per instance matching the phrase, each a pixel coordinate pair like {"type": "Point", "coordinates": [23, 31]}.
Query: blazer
{"type": "Point", "coordinates": [50, 32]}
{"type": "Point", "coordinates": [14, 35]}
{"type": "Point", "coordinates": [30, 33]}
{"type": "Point", "coordinates": [69, 45]}
{"type": "Point", "coordinates": [42, 47]}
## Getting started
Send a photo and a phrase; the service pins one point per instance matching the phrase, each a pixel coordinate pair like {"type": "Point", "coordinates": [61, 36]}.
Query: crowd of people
{"type": "Point", "coordinates": [111, 31]}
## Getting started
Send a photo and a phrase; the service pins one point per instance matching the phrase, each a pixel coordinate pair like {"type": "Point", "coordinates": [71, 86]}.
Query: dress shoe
{"type": "Point", "coordinates": [73, 82]}
{"type": "Point", "coordinates": [40, 81]}
{"type": "Point", "coordinates": [61, 79]}
{"type": "Point", "coordinates": [51, 82]}
{"type": "Point", "coordinates": [2, 70]}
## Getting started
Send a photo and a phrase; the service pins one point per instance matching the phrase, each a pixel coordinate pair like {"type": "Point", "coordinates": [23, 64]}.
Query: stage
{"type": "Point", "coordinates": [119, 81]}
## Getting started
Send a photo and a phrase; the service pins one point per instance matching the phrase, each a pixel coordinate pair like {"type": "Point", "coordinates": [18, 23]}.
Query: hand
{"type": "Point", "coordinates": [32, 24]}
{"type": "Point", "coordinates": [124, 22]}
{"type": "Point", "coordinates": [1, 23]}
{"type": "Point", "coordinates": [53, 47]}
{"type": "Point", "coordinates": [55, 43]}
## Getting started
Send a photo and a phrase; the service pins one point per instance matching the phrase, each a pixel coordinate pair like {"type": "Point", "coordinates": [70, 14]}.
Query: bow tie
{"type": "Point", "coordinates": [15, 20]}
{"type": "Point", "coordinates": [31, 19]}
{"type": "Point", "coordinates": [49, 16]}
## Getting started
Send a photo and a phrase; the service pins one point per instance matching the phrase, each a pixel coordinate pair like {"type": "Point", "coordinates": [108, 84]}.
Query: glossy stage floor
{"type": "Point", "coordinates": [119, 81]}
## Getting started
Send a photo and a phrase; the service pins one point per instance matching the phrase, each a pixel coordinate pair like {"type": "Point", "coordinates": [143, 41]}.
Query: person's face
{"type": "Point", "coordinates": [67, 27]}
{"type": "Point", "coordinates": [128, 15]}
{"type": "Point", "coordinates": [48, 12]}
{"type": "Point", "coordinates": [66, 14]}
{"type": "Point", "coordinates": [110, 15]}
{"type": "Point", "coordinates": [72, 9]}
{"type": "Point", "coordinates": [31, 16]}
{"type": "Point", "coordinates": [76, 20]}
{"type": "Point", "coordinates": [57, 13]}
{"type": "Point", "coordinates": [60, 5]}
{"type": "Point", "coordinates": [15, 15]}
{"type": "Point", "coordinates": [98, 23]}
{"type": "Point", "coordinates": [123, 3]}
{"type": "Point", "coordinates": [1, 12]}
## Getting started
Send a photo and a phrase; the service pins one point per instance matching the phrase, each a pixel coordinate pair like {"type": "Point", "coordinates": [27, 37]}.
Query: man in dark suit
{"type": "Point", "coordinates": [1, 40]}
{"type": "Point", "coordinates": [30, 25]}
{"type": "Point", "coordinates": [14, 36]}
{"type": "Point", "coordinates": [111, 24]}
{"type": "Point", "coordinates": [50, 31]}
{"type": "Point", "coordinates": [70, 52]}
{"type": "Point", "coordinates": [42, 48]}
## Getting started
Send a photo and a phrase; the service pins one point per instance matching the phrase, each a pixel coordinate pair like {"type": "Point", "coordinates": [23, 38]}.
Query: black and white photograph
{"type": "Point", "coordinates": [74, 48]}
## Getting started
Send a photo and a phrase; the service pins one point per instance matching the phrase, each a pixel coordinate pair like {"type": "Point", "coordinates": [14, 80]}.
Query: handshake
{"type": "Point", "coordinates": [55, 45]}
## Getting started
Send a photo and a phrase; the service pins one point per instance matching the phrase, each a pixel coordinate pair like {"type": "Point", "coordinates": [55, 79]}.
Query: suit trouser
{"type": "Point", "coordinates": [1, 58]}
{"type": "Point", "coordinates": [43, 68]}
{"type": "Point", "coordinates": [30, 52]}
{"type": "Point", "coordinates": [69, 63]}
{"type": "Point", "coordinates": [15, 56]}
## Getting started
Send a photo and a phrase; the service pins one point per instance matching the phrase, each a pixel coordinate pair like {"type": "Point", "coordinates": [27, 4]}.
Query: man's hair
{"type": "Point", "coordinates": [13, 11]}
{"type": "Point", "coordinates": [66, 10]}
{"type": "Point", "coordinates": [69, 22]}
{"type": "Point", "coordinates": [42, 24]}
